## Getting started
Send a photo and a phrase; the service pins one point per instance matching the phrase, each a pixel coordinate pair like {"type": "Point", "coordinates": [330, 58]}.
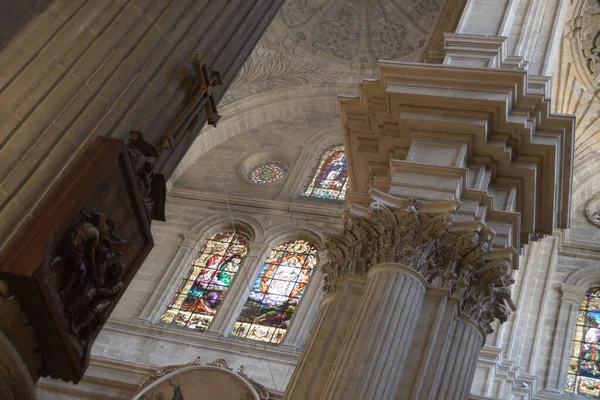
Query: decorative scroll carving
{"type": "Point", "coordinates": [263, 393]}
{"type": "Point", "coordinates": [152, 186]}
{"type": "Point", "coordinates": [447, 254]}
{"type": "Point", "coordinates": [164, 371]}
{"type": "Point", "coordinates": [221, 363]}
{"type": "Point", "coordinates": [89, 272]}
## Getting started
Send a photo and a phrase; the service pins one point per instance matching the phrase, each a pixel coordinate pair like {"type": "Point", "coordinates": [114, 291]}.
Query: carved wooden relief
{"type": "Point", "coordinates": [70, 265]}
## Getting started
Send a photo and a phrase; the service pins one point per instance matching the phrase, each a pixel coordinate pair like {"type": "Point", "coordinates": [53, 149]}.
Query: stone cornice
{"type": "Point", "coordinates": [424, 236]}
{"type": "Point", "coordinates": [209, 340]}
{"type": "Point", "coordinates": [506, 126]}
{"type": "Point", "coordinates": [310, 207]}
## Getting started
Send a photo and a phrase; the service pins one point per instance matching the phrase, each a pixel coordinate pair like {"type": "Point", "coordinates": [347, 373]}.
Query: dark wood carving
{"type": "Point", "coordinates": [70, 265]}
{"type": "Point", "coordinates": [203, 98]}
{"type": "Point", "coordinates": [152, 186]}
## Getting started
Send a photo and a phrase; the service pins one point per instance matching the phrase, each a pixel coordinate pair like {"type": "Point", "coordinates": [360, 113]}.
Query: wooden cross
{"type": "Point", "coordinates": [203, 99]}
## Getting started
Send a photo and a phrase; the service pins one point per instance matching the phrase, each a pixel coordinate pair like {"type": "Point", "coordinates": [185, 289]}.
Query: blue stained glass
{"type": "Point", "coordinates": [276, 292]}
{"type": "Point", "coordinates": [203, 289]}
{"type": "Point", "coordinates": [583, 375]}
{"type": "Point", "coordinates": [329, 180]}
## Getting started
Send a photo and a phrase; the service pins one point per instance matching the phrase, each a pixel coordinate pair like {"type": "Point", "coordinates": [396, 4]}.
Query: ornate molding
{"type": "Point", "coordinates": [280, 61]}
{"type": "Point", "coordinates": [164, 371]}
{"type": "Point", "coordinates": [218, 363]}
{"type": "Point", "coordinates": [359, 31]}
{"type": "Point", "coordinates": [263, 393]}
{"type": "Point", "coordinates": [425, 237]}
{"type": "Point", "coordinates": [585, 29]}
{"type": "Point", "coordinates": [592, 210]}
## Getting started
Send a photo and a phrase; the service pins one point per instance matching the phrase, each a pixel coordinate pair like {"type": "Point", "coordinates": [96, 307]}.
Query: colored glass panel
{"type": "Point", "coordinates": [583, 376]}
{"type": "Point", "coordinates": [329, 179]}
{"type": "Point", "coordinates": [268, 172]}
{"type": "Point", "coordinates": [276, 293]}
{"type": "Point", "coordinates": [201, 292]}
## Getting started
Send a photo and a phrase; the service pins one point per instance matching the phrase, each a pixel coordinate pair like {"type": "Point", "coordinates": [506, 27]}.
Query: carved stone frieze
{"type": "Point", "coordinates": [584, 29]}
{"type": "Point", "coordinates": [425, 237]}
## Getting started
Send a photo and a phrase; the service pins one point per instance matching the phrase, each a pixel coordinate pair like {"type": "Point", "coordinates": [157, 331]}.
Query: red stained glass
{"type": "Point", "coordinates": [203, 289]}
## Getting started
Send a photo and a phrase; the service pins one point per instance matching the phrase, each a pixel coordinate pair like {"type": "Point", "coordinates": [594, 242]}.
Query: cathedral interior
{"type": "Point", "coordinates": [299, 199]}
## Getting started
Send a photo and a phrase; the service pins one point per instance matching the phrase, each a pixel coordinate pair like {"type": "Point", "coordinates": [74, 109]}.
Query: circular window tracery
{"type": "Point", "coordinates": [267, 172]}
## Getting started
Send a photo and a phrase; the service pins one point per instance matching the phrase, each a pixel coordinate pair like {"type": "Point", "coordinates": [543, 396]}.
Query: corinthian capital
{"type": "Point", "coordinates": [425, 237]}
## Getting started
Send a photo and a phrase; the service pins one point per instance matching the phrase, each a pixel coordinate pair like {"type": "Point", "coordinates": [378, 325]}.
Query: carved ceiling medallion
{"type": "Point", "coordinates": [585, 30]}
{"type": "Point", "coordinates": [362, 30]}
{"type": "Point", "coordinates": [592, 211]}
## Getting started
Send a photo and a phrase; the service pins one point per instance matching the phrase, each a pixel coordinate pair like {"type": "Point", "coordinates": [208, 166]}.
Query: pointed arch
{"type": "Point", "coordinates": [329, 178]}
{"type": "Point", "coordinates": [203, 289]}
{"type": "Point", "coordinates": [277, 292]}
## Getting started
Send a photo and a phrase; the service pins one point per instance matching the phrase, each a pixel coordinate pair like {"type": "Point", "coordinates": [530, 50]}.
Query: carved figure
{"type": "Point", "coordinates": [92, 276]}
{"type": "Point", "coordinates": [151, 185]}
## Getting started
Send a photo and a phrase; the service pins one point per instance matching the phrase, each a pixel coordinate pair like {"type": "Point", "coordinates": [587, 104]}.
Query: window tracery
{"type": "Point", "coordinates": [584, 367]}
{"type": "Point", "coordinates": [267, 172]}
{"type": "Point", "coordinates": [203, 289]}
{"type": "Point", "coordinates": [276, 293]}
{"type": "Point", "coordinates": [329, 179]}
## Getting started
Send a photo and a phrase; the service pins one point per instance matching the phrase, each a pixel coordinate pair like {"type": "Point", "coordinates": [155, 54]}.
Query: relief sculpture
{"type": "Point", "coordinates": [89, 272]}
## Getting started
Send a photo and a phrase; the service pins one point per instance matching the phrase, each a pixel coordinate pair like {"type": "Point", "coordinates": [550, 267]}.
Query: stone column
{"type": "Point", "coordinates": [431, 344]}
{"type": "Point", "coordinates": [319, 356]}
{"type": "Point", "coordinates": [453, 378]}
{"type": "Point", "coordinates": [373, 355]}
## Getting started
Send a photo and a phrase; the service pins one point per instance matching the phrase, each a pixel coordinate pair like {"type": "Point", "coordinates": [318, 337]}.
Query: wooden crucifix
{"type": "Point", "coordinates": [203, 98]}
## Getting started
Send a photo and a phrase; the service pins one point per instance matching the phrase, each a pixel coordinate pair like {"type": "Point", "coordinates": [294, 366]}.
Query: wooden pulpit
{"type": "Point", "coordinates": [72, 262]}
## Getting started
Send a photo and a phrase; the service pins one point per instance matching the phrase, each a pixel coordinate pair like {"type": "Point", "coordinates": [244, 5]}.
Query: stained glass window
{"type": "Point", "coordinates": [267, 172]}
{"type": "Point", "coordinates": [584, 367]}
{"type": "Point", "coordinates": [201, 292]}
{"type": "Point", "coordinates": [330, 177]}
{"type": "Point", "coordinates": [276, 293]}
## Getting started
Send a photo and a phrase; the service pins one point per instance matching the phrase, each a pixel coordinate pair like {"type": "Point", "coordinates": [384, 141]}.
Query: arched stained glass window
{"type": "Point", "coordinates": [200, 294]}
{"type": "Point", "coordinates": [584, 368]}
{"type": "Point", "coordinates": [276, 293]}
{"type": "Point", "coordinates": [330, 178]}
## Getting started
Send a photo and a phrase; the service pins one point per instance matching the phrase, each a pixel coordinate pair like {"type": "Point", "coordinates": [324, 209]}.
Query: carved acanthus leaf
{"type": "Point", "coordinates": [454, 256]}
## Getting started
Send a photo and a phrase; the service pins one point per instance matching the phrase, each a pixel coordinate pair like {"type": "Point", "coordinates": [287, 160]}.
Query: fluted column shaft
{"type": "Point", "coordinates": [431, 344]}
{"type": "Point", "coordinates": [319, 356]}
{"type": "Point", "coordinates": [372, 357]}
{"type": "Point", "coordinates": [455, 376]}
